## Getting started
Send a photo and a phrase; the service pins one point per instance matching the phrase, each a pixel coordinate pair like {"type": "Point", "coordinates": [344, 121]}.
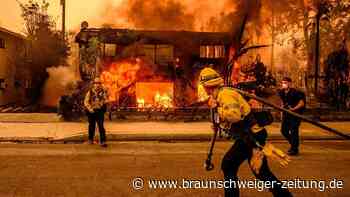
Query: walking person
{"type": "Point", "coordinates": [96, 104]}
{"type": "Point", "coordinates": [295, 101]}
{"type": "Point", "coordinates": [237, 119]}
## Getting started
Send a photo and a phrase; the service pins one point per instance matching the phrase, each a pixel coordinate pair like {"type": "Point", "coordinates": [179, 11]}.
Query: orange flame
{"type": "Point", "coordinates": [118, 76]}
{"type": "Point", "coordinates": [123, 74]}
{"type": "Point", "coordinates": [155, 95]}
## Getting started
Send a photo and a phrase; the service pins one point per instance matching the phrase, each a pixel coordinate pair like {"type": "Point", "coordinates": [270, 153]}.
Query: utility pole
{"type": "Point", "coordinates": [272, 39]}
{"type": "Point", "coordinates": [317, 51]}
{"type": "Point", "coordinates": [322, 10]}
{"type": "Point", "coordinates": [63, 3]}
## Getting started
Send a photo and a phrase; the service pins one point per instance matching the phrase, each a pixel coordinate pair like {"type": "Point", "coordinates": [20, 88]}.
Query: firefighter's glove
{"type": "Point", "coordinates": [276, 154]}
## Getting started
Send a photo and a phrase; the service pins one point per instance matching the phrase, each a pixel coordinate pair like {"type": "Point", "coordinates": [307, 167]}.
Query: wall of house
{"type": "Point", "coordinates": [188, 59]}
{"type": "Point", "coordinates": [11, 89]}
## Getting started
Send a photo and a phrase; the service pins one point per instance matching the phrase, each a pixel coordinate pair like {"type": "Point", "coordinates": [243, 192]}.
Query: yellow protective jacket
{"type": "Point", "coordinates": [232, 107]}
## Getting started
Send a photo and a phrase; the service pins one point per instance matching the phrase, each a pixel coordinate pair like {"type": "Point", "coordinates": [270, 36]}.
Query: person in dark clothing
{"type": "Point", "coordinates": [293, 100]}
{"type": "Point", "coordinates": [96, 104]}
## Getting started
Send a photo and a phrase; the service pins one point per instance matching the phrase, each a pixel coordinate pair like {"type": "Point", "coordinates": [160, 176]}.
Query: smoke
{"type": "Point", "coordinates": [151, 14]}
{"type": "Point", "coordinates": [190, 15]}
{"type": "Point", "coordinates": [58, 83]}
{"type": "Point", "coordinates": [164, 15]}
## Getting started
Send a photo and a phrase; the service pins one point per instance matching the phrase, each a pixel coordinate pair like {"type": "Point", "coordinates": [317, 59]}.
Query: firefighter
{"type": "Point", "coordinates": [250, 138]}
{"type": "Point", "coordinates": [96, 104]}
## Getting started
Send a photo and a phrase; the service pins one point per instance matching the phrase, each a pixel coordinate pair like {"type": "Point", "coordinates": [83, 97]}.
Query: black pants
{"type": "Point", "coordinates": [240, 151]}
{"type": "Point", "coordinates": [290, 130]}
{"type": "Point", "coordinates": [93, 118]}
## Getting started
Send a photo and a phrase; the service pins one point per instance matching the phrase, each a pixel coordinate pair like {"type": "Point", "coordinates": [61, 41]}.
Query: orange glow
{"type": "Point", "coordinates": [123, 75]}
{"type": "Point", "coordinates": [141, 103]}
{"type": "Point", "coordinates": [118, 76]}
{"type": "Point", "coordinates": [236, 73]}
{"type": "Point", "coordinates": [155, 94]}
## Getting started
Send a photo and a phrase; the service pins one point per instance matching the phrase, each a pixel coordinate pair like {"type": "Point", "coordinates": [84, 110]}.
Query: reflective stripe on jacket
{"type": "Point", "coordinates": [232, 107]}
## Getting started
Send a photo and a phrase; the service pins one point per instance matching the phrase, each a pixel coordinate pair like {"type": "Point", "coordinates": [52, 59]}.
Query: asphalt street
{"type": "Point", "coordinates": [83, 170]}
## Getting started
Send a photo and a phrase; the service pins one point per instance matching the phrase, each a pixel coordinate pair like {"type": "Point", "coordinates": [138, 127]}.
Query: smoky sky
{"type": "Point", "coordinates": [155, 14]}
{"type": "Point", "coordinates": [206, 15]}
{"type": "Point", "coordinates": [162, 15]}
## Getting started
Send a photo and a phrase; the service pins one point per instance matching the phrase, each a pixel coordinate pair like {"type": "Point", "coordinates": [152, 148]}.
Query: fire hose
{"type": "Point", "coordinates": [214, 117]}
{"type": "Point", "coordinates": [306, 119]}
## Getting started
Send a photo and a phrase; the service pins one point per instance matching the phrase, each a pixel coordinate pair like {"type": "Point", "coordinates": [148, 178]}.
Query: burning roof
{"type": "Point", "coordinates": [128, 36]}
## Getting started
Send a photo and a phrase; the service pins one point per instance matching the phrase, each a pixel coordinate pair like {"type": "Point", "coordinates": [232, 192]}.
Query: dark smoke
{"type": "Point", "coordinates": [155, 14]}
{"type": "Point", "coordinates": [150, 14]}
{"type": "Point", "coordinates": [190, 15]}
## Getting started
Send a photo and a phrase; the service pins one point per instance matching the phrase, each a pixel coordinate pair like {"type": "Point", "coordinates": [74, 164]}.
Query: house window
{"type": "Point", "coordinates": [110, 50]}
{"type": "Point", "coordinates": [164, 54]}
{"type": "Point", "coordinates": [2, 43]}
{"type": "Point", "coordinates": [212, 51]}
{"type": "Point", "coordinates": [159, 54]}
{"type": "Point", "coordinates": [2, 84]}
{"type": "Point", "coordinates": [150, 52]}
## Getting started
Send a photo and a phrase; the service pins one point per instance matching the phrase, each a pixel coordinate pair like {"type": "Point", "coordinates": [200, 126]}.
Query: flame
{"type": "Point", "coordinates": [140, 103]}
{"type": "Point", "coordinates": [157, 95]}
{"type": "Point", "coordinates": [123, 74]}
{"type": "Point", "coordinates": [160, 102]}
{"type": "Point", "coordinates": [119, 75]}
{"type": "Point", "coordinates": [164, 101]}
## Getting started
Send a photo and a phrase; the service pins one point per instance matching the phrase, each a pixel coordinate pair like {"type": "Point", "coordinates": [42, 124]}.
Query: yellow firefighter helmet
{"type": "Point", "coordinates": [209, 77]}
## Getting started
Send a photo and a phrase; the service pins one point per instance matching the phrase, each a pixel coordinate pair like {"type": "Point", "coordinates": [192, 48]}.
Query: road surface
{"type": "Point", "coordinates": [36, 170]}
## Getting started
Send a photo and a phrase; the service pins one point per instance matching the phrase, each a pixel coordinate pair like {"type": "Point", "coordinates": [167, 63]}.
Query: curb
{"type": "Point", "coordinates": [144, 137]}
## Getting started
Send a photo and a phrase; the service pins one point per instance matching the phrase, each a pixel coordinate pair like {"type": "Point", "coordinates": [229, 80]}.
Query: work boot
{"type": "Point", "coordinates": [103, 144]}
{"type": "Point", "coordinates": [89, 142]}
{"type": "Point", "coordinates": [293, 152]}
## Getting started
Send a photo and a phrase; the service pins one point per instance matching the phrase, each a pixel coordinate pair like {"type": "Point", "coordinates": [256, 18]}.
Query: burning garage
{"type": "Point", "coordinates": [149, 69]}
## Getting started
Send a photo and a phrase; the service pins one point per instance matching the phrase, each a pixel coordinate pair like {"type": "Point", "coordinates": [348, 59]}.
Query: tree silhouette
{"type": "Point", "coordinates": [46, 48]}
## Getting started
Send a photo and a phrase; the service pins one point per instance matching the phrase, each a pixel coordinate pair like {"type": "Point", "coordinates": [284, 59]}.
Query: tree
{"type": "Point", "coordinates": [47, 48]}
{"type": "Point", "coordinates": [337, 72]}
{"type": "Point", "coordinates": [296, 24]}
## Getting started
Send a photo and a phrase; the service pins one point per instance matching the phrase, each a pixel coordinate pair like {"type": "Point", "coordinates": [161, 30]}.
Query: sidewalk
{"type": "Point", "coordinates": [42, 130]}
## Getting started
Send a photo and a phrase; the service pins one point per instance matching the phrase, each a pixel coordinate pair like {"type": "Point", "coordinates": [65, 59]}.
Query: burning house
{"type": "Point", "coordinates": [149, 68]}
